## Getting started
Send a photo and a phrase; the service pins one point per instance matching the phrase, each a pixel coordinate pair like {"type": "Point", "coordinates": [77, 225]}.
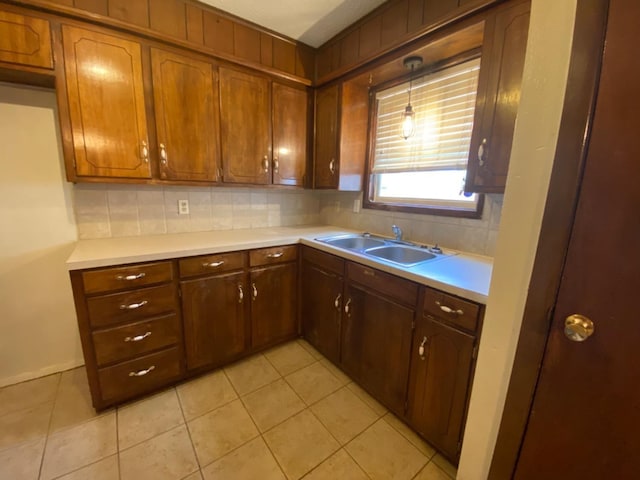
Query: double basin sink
{"type": "Point", "coordinates": [401, 253]}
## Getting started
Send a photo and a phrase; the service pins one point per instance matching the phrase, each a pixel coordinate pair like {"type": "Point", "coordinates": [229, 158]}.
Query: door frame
{"type": "Point", "coordinates": [557, 222]}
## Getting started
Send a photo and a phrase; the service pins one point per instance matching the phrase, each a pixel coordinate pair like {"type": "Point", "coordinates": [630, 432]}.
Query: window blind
{"type": "Point", "coordinates": [444, 104]}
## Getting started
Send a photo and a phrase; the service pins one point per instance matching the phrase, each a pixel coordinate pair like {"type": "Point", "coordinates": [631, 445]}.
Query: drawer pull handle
{"type": "Point", "coordinates": [482, 150]}
{"type": "Point", "coordinates": [347, 309]}
{"type": "Point", "coordinates": [336, 302]}
{"type": "Point", "coordinates": [133, 306]}
{"type": "Point", "coordinates": [137, 338]}
{"type": "Point", "coordinates": [369, 273]}
{"type": "Point", "coordinates": [144, 151]}
{"type": "Point", "coordinates": [164, 159]}
{"type": "Point", "coordinates": [130, 278]}
{"type": "Point", "coordinates": [275, 255]}
{"type": "Point", "coordinates": [240, 294]}
{"type": "Point", "coordinates": [332, 166]}
{"type": "Point", "coordinates": [422, 348]}
{"type": "Point", "coordinates": [213, 264]}
{"type": "Point", "coordinates": [254, 293]}
{"type": "Point", "coordinates": [142, 373]}
{"type": "Point", "coordinates": [447, 309]}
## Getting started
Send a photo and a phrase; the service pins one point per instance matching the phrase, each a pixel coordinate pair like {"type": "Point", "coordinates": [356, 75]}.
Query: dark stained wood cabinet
{"type": "Point", "coordinates": [442, 360]}
{"type": "Point", "coordinates": [342, 114]}
{"type": "Point", "coordinates": [321, 301]}
{"type": "Point", "coordinates": [25, 40]}
{"type": "Point", "coordinates": [213, 310]}
{"type": "Point", "coordinates": [245, 101]}
{"type": "Point", "coordinates": [290, 111]}
{"type": "Point", "coordinates": [273, 289]}
{"type": "Point", "coordinates": [376, 335]}
{"type": "Point", "coordinates": [186, 105]}
{"type": "Point", "coordinates": [106, 103]}
{"type": "Point", "coordinates": [503, 54]}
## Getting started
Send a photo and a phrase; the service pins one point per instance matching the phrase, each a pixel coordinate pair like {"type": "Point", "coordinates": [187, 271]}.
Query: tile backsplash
{"type": "Point", "coordinates": [469, 235]}
{"type": "Point", "coordinates": [129, 210]}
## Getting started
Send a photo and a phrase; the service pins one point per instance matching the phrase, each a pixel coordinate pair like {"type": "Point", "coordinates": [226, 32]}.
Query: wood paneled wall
{"type": "Point", "coordinates": [206, 28]}
{"type": "Point", "coordinates": [393, 24]}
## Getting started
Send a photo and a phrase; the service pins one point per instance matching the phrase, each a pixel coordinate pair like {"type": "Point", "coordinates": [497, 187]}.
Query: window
{"type": "Point", "coordinates": [425, 172]}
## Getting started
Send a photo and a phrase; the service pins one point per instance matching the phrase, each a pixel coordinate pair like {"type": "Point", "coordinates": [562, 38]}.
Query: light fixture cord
{"type": "Point", "coordinates": [410, 84]}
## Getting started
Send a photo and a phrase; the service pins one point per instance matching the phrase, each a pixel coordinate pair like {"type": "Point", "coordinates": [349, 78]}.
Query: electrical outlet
{"type": "Point", "coordinates": [356, 205]}
{"type": "Point", "coordinates": [183, 207]}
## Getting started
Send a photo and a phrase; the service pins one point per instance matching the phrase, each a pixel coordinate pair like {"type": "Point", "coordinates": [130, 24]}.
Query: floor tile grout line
{"type": "Point", "coordinates": [353, 458]}
{"type": "Point", "coordinates": [186, 425]}
{"type": "Point", "coordinates": [46, 437]}
{"type": "Point", "coordinates": [84, 466]}
{"type": "Point", "coordinates": [383, 417]}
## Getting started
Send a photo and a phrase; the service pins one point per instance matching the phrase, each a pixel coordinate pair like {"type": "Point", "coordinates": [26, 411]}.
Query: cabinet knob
{"type": "Point", "coordinates": [482, 150]}
{"type": "Point", "coordinates": [347, 308]}
{"type": "Point", "coordinates": [164, 159]}
{"type": "Point", "coordinates": [254, 291]}
{"type": "Point", "coordinates": [578, 328]}
{"type": "Point", "coordinates": [276, 164]}
{"type": "Point", "coordinates": [265, 163]}
{"type": "Point", "coordinates": [422, 348]}
{"type": "Point", "coordinates": [336, 302]}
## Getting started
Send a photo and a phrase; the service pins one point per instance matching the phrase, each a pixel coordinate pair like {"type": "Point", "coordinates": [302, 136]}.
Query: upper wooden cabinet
{"type": "Point", "coordinates": [25, 40]}
{"type": "Point", "coordinates": [342, 115]}
{"type": "Point", "coordinates": [106, 104]}
{"type": "Point", "coordinates": [290, 111]}
{"type": "Point", "coordinates": [503, 54]}
{"type": "Point", "coordinates": [185, 98]}
{"type": "Point", "coordinates": [264, 130]}
{"type": "Point", "coordinates": [246, 127]}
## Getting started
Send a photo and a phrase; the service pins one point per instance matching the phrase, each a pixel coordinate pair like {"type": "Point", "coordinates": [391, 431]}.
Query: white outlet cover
{"type": "Point", "coordinates": [183, 207]}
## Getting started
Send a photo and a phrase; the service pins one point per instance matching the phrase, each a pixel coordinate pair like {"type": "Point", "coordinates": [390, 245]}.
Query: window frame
{"type": "Point", "coordinates": [369, 182]}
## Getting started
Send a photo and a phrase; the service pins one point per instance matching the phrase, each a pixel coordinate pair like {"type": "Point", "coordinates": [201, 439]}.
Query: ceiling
{"type": "Point", "coordinates": [310, 21]}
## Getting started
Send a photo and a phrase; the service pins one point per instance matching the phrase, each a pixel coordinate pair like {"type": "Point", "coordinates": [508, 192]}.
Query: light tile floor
{"type": "Point", "coordinates": [284, 414]}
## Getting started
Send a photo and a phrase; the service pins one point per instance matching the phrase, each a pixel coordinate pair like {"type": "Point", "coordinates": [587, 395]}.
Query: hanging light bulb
{"type": "Point", "coordinates": [407, 125]}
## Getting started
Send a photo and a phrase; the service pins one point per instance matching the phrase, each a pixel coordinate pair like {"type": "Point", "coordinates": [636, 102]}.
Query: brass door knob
{"type": "Point", "coordinates": [578, 328]}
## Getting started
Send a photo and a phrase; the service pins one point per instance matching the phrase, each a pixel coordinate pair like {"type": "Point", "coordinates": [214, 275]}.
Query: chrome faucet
{"type": "Point", "coordinates": [397, 231]}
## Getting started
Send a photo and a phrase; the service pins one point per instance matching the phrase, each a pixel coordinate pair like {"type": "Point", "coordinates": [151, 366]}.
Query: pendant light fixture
{"type": "Point", "coordinates": [407, 125]}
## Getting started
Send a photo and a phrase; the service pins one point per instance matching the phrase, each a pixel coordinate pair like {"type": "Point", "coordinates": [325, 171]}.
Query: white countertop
{"type": "Point", "coordinates": [460, 274]}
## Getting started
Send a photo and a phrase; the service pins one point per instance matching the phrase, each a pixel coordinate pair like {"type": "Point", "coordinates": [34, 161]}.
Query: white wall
{"type": "Point", "coordinates": [543, 87]}
{"type": "Point", "coordinates": [38, 328]}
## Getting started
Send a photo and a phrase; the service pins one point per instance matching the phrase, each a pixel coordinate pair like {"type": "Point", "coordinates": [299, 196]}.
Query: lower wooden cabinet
{"type": "Point", "coordinates": [321, 301]}
{"type": "Point", "coordinates": [213, 311]}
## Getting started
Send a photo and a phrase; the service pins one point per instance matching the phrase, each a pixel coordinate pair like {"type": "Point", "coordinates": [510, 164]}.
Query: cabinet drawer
{"type": "Point", "coordinates": [453, 309]}
{"type": "Point", "coordinates": [134, 339]}
{"type": "Point", "coordinates": [267, 256]}
{"type": "Point", "coordinates": [25, 40]}
{"type": "Point", "coordinates": [205, 264]}
{"type": "Point", "coordinates": [132, 276]}
{"type": "Point", "coordinates": [389, 285]}
{"type": "Point", "coordinates": [325, 260]}
{"type": "Point", "coordinates": [129, 306]}
{"type": "Point", "coordinates": [127, 379]}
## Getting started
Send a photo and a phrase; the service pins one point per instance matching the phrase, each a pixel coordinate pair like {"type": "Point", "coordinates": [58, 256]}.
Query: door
{"type": "Point", "coordinates": [106, 104]}
{"type": "Point", "coordinates": [439, 383]}
{"type": "Point", "coordinates": [322, 309]}
{"type": "Point", "coordinates": [586, 411]}
{"type": "Point", "coordinates": [245, 127]}
{"type": "Point", "coordinates": [186, 107]}
{"type": "Point", "coordinates": [325, 169]}
{"type": "Point", "coordinates": [213, 310]}
{"type": "Point", "coordinates": [273, 303]}
{"type": "Point", "coordinates": [376, 339]}
{"type": "Point", "coordinates": [290, 132]}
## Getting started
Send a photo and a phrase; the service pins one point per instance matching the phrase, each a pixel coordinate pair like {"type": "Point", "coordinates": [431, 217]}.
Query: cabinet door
{"type": "Point", "coordinates": [25, 40]}
{"type": "Point", "coordinates": [326, 161]}
{"type": "Point", "coordinates": [213, 310]}
{"type": "Point", "coordinates": [498, 98]}
{"type": "Point", "coordinates": [106, 104]}
{"type": "Point", "coordinates": [321, 309]}
{"type": "Point", "coordinates": [186, 109]}
{"type": "Point", "coordinates": [440, 383]}
{"type": "Point", "coordinates": [376, 343]}
{"type": "Point", "coordinates": [245, 127]}
{"type": "Point", "coordinates": [273, 293]}
{"type": "Point", "coordinates": [290, 132]}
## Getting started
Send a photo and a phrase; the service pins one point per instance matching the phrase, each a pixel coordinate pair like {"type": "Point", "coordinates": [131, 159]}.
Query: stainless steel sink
{"type": "Point", "coordinates": [405, 253]}
{"type": "Point", "coordinates": [355, 242]}
{"type": "Point", "coordinates": [401, 254]}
